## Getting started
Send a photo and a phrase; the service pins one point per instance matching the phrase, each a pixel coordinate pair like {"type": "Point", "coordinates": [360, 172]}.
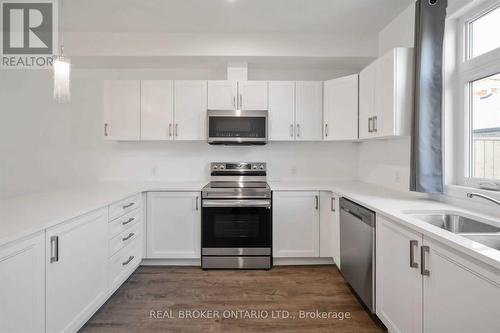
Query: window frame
{"type": "Point", "coordinates": [468, 70]}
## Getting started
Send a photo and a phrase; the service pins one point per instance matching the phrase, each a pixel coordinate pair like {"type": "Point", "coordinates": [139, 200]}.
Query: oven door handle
{"type": "Point", "coordinates": [237, 203]}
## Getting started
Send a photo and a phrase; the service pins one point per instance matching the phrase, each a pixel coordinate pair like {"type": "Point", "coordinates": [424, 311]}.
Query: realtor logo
{"type": "Point", "coordinates": [29, 34]}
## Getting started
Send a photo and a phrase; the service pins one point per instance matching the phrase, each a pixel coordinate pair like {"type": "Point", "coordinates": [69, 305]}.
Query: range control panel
{"type": "Point", "coordinates": [237, 166]}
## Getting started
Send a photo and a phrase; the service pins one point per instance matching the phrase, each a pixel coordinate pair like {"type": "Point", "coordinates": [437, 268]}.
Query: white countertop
{"type": "Point", "coordinates": [25, 215]}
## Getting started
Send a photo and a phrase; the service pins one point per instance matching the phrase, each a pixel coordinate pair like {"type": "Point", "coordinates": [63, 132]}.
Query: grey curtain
{"type": "Point", "coordinates": [426, 150]}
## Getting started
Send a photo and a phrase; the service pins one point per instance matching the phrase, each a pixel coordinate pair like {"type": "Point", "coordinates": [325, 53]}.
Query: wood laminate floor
{"type": "Point", "coordinates": [276, 298]}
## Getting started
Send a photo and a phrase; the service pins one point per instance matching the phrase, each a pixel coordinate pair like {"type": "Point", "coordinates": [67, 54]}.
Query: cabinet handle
{"type": "Point", "coordinates": [370, 125]}
{"type": "Point", "coordinates": [128, 261]}
{"type": "Point", "coordinates": [106, 129]}
{"type": "Point", "coordinates": [332, 204]}
{"type": "Point", "coordinates": [316, 202]}
{"type": "Point", "coordinates": [298, 130]}
{"type": "Point", "coordinates": [241, 101]}
{"type": "Point", "coordinates": [375, 127]}
{"type": "Point", "coordinates": [291, 130]}
{"type": "Point", "coordinates": [196, 202]}
{"type": "Point", "coordinates": [413, 246]}
{"type": "Point", "coordinates": [326, 129]}
{"type": "Point", "coordinates": [130, 235]}
{"type": "Point", "coordinates": [128, 205]}
{"type": "Point", "coordinates": [176, 129]}
{"type": "Point", "coordinates": [169, 130]}
{"type": "Point", "coordinates": [54, 249]}
{"type": "Point", "coordinates": [128, 221]}
{"type": "Point", "coordinates": [423, 269]}
{"type": "Point", "coordinates": [234, 101]}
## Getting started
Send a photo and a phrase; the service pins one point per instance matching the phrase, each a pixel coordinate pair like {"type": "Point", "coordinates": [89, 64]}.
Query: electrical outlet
{"type": "Point", "coordinates": [154, 171]}
{"type": "Point", "coordinates": [397, 177]}
{"type": "Point", "coordinates": [293, 170]}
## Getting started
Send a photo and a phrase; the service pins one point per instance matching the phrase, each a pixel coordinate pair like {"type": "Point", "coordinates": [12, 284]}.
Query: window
{"type": "Point", "coordinates": [485, 127]}
{"type": "Point", "coordinates": [484, 33]}
{"type": "Point", "coordinates": [472, 97]}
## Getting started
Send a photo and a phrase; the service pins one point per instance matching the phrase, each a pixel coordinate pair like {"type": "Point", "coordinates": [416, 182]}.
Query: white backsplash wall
{"type": "Point", "coordinates": [45, 145]}
{"type": "Point", "coordinates": [386, 162]}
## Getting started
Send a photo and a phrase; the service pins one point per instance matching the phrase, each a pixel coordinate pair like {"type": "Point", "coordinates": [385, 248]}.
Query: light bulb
{"type": "Point", "coordinates": [62, 71]}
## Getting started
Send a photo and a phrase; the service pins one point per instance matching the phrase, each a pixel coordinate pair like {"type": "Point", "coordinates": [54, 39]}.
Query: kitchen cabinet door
{"type": "Point", "coordinates": [22, 285]}
{"type": "Point", "coordinates": [252, 95]}
{"type": "Point", "coordinates": [122, 110]}
{"type": "Point", "coordinates": [281, 110]}
{"type": "Point", "coordinates": [398, 285]}
{"type": "Point", "coordinates": [328, 240]}
{"type": "Point", "coordinates": [157, 110]}
{"type": "Point", "coordinates": [366, 101]}
{"type": "Point", "coordinates": [222, 95]}
{"type": "Point", "coordinates": [393, 93]}
{"type": "Point", "coordinates": [190, 110]}
{"type": "Point", "coordinates": [174, 225]}
{"type": "Point", "coordinates": [340, 115]}
{"type": "Point", "coordinates": [295, 224]}
{"type": "Point", "coordinates": [460, 294]}
{"type": "Point", "coordinates": [76, 271]}
{"type": "Point", "coordinates": [308, 110]}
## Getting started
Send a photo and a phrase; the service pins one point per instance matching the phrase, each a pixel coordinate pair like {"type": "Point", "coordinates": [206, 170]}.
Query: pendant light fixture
{"type": "Point", "coordinates": [62, 69]}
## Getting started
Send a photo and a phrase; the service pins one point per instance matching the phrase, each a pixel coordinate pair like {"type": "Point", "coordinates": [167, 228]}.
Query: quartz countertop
{"type": "Point", "coordinates": [28, 214]}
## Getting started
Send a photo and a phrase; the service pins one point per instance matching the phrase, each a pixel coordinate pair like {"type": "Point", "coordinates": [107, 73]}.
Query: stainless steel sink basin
{"type": "Point", "coordinates": [456, 223]}
{"type": "Point", "coordinates": [490, 240]}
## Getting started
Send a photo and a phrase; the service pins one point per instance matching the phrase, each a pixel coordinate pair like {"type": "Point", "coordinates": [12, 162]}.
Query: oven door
{"type": "Point", "coordinates": [237, 127]}
{"type": "Point", "coordinates": [236, 227]}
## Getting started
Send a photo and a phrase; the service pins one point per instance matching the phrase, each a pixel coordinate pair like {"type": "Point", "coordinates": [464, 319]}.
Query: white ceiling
{"type": "Point", "coordinates": [231, 16]}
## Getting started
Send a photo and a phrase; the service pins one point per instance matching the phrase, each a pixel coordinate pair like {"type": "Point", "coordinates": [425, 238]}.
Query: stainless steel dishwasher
{"type": "Point", "coordinates": [357, 250]}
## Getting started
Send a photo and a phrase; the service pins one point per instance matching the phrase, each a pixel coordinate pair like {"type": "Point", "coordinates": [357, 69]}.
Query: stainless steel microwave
{"type": "Point", "coordinates": [237, 127]}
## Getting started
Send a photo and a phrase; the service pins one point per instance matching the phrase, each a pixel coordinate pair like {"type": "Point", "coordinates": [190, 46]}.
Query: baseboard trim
{"type": "Point", "coordinates": [302, 261]}
{"type": "Point", "coordinates": [276, 262]}
{"type": "Point", "coordinates": [170, 262]}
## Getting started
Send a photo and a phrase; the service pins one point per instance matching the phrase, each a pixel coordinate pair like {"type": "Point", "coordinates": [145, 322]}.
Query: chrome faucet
{"type": "Point", "coordinates": [479, 195]}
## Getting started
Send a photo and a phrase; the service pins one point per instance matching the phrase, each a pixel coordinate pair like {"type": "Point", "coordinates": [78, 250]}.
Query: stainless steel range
{"type": "Point", "coordinates": [236, 224]}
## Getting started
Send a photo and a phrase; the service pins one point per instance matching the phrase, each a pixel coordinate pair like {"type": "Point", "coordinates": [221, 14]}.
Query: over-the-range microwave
{"type": "Point", "coordinates": [237, 127]}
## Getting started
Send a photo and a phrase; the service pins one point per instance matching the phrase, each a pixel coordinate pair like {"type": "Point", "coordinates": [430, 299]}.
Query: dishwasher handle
{"type": "Point", "coordinates": [359, 212]}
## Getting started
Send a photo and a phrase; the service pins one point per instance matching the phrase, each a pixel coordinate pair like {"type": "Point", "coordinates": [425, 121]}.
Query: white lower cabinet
{"type": "Point", "coordinates": [460, 294]}
{"type": "Point", "coordinates": [399, 285]}
{"type": "Point", "coordinates": [328, 226]}
{"type": "Point", "coordinates": [173, 228]}
{"type": "Point", "coordinates": [295, 224]}
{"type": "Point", "coordinates": [22, 287]}
{"type": "Point", "coordinates": [425, 286]}
{"type": "Point", "coordinates": [76, 270]}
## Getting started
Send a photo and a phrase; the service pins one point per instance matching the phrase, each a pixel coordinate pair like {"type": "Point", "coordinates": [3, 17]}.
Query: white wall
{"type": "Point", "coordinates": [387, 162]}
{"type": "Point", "coordinates": [45, 145]}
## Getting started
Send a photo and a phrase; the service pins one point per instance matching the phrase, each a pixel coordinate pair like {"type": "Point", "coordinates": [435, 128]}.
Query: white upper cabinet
{"type": "Point", "coordinates": [22, 285]}
{"type": "Point", "coordinates": [295, 224]}
{"type": "Point", "coordinates": [308, 110]}
{"type": "Point", "coordinates": [122, 112]}
{"type": "Point", "coordinates": [173, 227]}
{"type": "Point", "coordinates": [252, 95]}
{"type": "Point", "coordinates": [241, 95]}
{"type": "Point", "coordinates": [76, 270]}
{"type": "Point", "coordinates": [190, 110]}
{"type": "Point", "coordinates": [222, 95]}
{"type": "Point", "coordinates": [281, 110]}
{"type": "Point", "coordinates": [157, 110]}
{"type": "Point", "coordinates": [386, 95]}
{"type": "Point", "coordinates": [340, 115]}
{"type": "Point", "coordinates": [366, 101]}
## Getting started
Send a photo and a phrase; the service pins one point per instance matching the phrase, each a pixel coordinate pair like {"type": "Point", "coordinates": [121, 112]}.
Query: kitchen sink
{"type": "Point", "coordinates": [456, 223]}
{"type": "Point", "coordinates": [490, 240]}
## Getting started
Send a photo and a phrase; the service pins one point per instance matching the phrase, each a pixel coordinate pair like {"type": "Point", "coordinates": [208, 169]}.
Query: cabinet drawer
{"type": "Point", "coordinates": [123, 263]}
{"type": "Point", "coordinates": [124, 222]}
{"type": "Point", "coordinates": [124, 206]}
{"type": "Point", "coordinates": [124, 238]}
